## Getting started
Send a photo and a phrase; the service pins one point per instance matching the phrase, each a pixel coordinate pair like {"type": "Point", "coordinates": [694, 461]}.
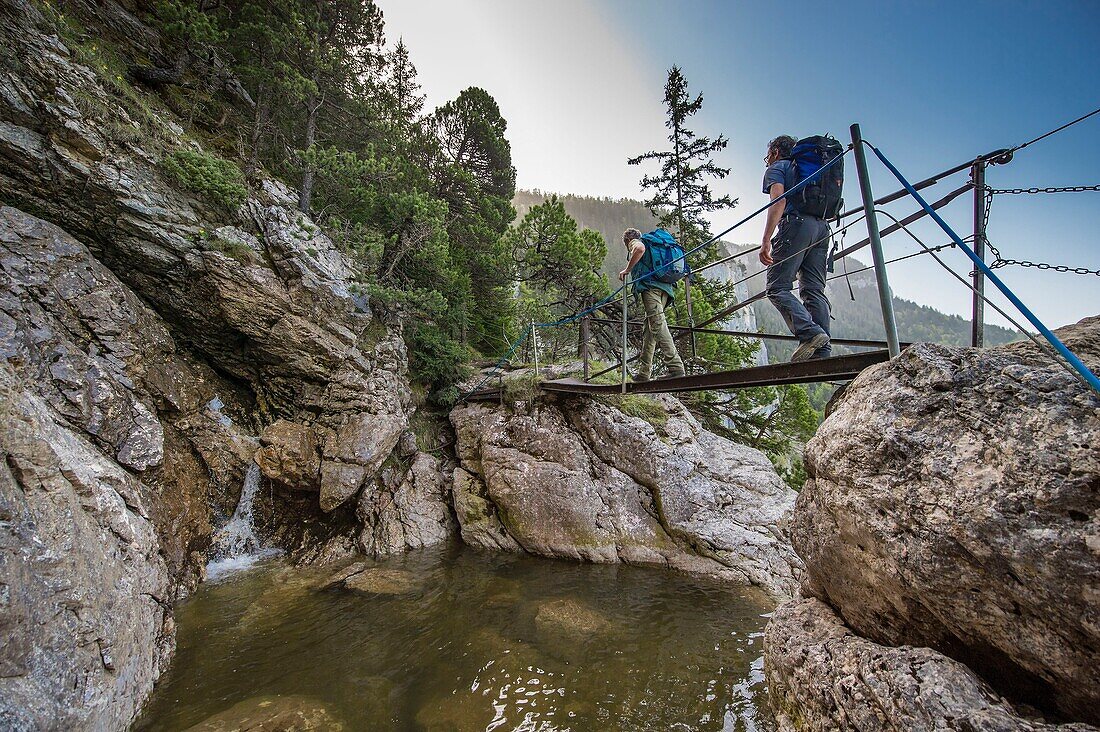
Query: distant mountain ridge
{"type": "Point", "coordinates": [860, 317]}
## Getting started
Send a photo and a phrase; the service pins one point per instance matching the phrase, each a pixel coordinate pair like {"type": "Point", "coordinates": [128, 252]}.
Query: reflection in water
{"type": "Point", "coordinates": [472, 641]}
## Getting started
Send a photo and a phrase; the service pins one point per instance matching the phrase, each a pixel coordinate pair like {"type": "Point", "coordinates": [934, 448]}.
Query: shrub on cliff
{"type": "Point", "coordinates": [218, 181]}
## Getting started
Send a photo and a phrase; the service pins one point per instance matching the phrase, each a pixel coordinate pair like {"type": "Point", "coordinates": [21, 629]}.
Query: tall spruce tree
{"type": "Point", "coordinates": [773, 419]}
{"type": "Point", "coordinates": [404, 100]}
{"type": "Point", "coordinates": [680, 193]}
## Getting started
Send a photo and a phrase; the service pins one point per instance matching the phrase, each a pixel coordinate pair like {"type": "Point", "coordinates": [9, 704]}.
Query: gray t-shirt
{"type": "Point", "coordinates": [781, 171]}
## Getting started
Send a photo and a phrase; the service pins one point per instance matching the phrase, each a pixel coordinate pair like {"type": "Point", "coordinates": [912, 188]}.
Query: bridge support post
{"type": "Point", "coordinates": [977, 332]}
{"type": "Point", "coordinates": [585, 335]}
{"type": "Point", "coordinates": [535, 346]}
{"type": "Point", "coordinates": [626, 296]}
{"type": "Point", "coordinates": [885, 296]}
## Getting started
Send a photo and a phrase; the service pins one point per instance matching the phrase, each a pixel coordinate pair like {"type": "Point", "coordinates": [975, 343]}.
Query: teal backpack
{"type": "Point", "coordinates": [666, 257]}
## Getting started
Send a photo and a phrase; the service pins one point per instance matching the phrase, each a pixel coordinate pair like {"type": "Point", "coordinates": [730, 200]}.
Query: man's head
{"type": "Point", "coordinates": [779, 148]}
{"type": "Point", "coordinates": [630, 235]}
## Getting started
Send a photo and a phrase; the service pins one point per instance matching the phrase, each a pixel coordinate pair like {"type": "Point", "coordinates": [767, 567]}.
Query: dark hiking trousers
{"type": "Point", "coordinates": [810, 316]}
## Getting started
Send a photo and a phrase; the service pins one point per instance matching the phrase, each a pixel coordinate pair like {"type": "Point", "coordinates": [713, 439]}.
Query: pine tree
{"type": "Point", "coordinates": [557, 267]}
{"type": "Point", "coordinates": [339, 53]}
{"type": "Point", "coordinates": [681, 194]}
{"type": "Point", "coordinates": [475, 177]}
{"type": "Point", "coordinates": [405, 101]}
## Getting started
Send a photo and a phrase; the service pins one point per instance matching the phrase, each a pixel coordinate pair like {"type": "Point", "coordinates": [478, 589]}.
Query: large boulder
{"type": "Point", "coordinates": [290, 455]}
{"type": "Point", "coordinates": [582, 479]}
{"type": "Point", "coordinates": [954, 503]}
{"type": "Point", "coordinates": [406, 508]}
{"type": "Point", "coordinates": [823, 677]}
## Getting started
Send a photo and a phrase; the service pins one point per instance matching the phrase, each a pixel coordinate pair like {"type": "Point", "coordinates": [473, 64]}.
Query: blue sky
{"type": "Point", "coordinates": [931, 83]}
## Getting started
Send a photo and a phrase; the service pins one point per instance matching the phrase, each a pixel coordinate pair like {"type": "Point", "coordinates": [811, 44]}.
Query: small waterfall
{"type": "Point", "coordinates": [236, 546]}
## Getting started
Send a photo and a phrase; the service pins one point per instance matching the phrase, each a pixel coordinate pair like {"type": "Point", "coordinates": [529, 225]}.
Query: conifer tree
{"type": "Point", "coordinates": [557, 265]}
{"type": "Point", "coordinates": [680, 192]}
{"type": "Point", "coordinates": [405, 101]}
{"type": "Point", "coordinates": [475, 177]}
{"type": "Point", "coordinates": [339, 53]}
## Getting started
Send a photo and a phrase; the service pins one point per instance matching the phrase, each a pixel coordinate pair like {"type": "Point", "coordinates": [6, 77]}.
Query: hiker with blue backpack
{"type": "Point", "coordinates": [658, 263]}
{"type": "Point", "coordinates": [800, 247]}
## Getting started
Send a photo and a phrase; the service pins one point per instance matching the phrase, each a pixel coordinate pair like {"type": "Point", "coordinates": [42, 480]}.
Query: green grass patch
{"type": "Point", "coordinates": [233, 249]}
{"type": "Point", "coordinates": [521, 387]}
{"type": "Point", "coordinates": [215, 179]}
{"type": "Point", "coordinates": [640, 406]}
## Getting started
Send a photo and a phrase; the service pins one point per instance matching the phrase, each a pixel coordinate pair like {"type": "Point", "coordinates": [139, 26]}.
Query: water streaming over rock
{"type": "Point", "coordinates": [236, 545]}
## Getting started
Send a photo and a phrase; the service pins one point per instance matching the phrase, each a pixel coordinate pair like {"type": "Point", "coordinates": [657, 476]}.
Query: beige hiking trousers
{"type": "Point", "coordinates": [655, 333]}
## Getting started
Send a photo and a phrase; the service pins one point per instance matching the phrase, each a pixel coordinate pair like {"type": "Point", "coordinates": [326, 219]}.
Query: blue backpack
{"type": "Point", "coordinates": [822, 195]}
{"type": "Point", "coordinates": [666, 257]}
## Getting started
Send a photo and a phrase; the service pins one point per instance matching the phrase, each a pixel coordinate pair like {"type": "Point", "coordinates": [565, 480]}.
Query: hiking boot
{"type": "Point", "coordinates": [807, 349]}
{"type": "Point", "coordinates": [639, 378]}
{"type": "Point", "coordinates": [675, 374]}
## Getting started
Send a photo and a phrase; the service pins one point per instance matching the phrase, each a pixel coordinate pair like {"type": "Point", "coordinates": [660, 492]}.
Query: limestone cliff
{"type": "Point", "coordinates": [582, 479]}
{"type": "Point", "coordinates": [953, 504]}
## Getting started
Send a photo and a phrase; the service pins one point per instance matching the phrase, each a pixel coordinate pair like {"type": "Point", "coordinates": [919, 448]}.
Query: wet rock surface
{"type": "Point", "coordinates": [371, 580]}
{"type": "Point", "coordinates": [583, 480]}
{"type": "Point", "coordinates": [953, 504]}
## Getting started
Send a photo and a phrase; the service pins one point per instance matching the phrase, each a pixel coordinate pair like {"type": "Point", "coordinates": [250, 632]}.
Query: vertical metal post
{"type": "Point", "coordinates": [885, 297]}
{"type": "Point", "coordinates": [535, 345]}
{"type": "Point", "coordinates": [977, 332]}
{"type": "Point", "coordinates": [585, 335]}
{"type": "Point", "coordinates": [626, 295]}
{"type": "Point", "coordinates": [691, 318]}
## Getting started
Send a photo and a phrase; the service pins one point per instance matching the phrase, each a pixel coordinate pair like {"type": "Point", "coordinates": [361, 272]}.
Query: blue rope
{"type": "Point", "coordinates": [1074, 361]}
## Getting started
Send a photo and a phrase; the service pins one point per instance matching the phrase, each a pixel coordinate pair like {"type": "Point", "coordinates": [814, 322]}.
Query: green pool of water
{"type": "Point", "coordinates": [453, 639]}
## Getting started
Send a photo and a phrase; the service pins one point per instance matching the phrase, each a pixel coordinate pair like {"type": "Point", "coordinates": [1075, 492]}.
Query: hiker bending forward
{"type": "Point", "coordinates": [799, 249]}
{"type": "Point", "coordinates": [656, 297]}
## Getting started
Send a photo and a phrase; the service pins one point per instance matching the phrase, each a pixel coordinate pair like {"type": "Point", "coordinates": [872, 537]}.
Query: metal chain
{"type": "Point", "coordinates": [1040, 265]}
{"type": "Point", "coordinates": [1000, 261]}
{"type": "Point", "coordinates": [1065, 189]}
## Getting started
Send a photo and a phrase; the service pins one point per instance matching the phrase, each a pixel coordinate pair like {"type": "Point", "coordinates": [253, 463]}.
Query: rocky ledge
{"type": "Point", "coordinates": [951, 535]}
{"type": "Point", "coordinates": [582, 479]}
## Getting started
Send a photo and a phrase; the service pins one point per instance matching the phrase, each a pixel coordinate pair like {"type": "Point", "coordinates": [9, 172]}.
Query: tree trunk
{"type": "Point", "coordinates": [683, 238]}
{"type": "Point", "coordinates": [313, 104]}
{"type": "Point", "coordinates": [258, 121]}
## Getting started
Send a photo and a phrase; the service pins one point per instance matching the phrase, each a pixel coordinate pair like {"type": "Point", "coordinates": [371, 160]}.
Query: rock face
{"type": "Point", "coordinates": [146, 336]}
{"type": "Point", "coordinates": [954, 503]}
{"type": "Point", "coordinates": [583, 480]}
{"type": "Point", "coordinates": [85, 626]}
